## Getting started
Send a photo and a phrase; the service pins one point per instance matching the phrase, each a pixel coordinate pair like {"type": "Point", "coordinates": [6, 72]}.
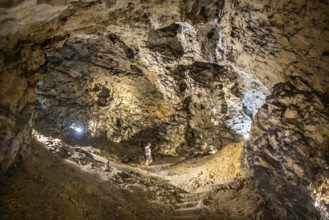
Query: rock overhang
{"type": "Point", "coordinates": [249, 39]}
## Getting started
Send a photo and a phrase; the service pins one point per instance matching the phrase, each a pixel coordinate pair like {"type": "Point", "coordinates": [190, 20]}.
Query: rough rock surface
{"type": "Point", "coordinates": [109, 84]}
{"type": "Point", "coordinates": [78, 188]}
{"type": "Point", "coordinates": [200, 174]}
{"type": "Point", "coordinates": [88, 85]}
{"type": "Point", "coordinates": [91, 82]}
{"type": "Point", "coordinates": [240, 194]}
{"type": "Point", "coordinates": [191, 74]}
{"type": "Point", "coordinates": [288, 149]}
{"type": "Point", "coordinates": [272, 40]}
{"type": "Point", "coordinates": [66, 182]}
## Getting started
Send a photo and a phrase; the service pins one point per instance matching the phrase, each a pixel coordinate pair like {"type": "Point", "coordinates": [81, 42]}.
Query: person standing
{"type": "Point", "coordinates": [148, 154]}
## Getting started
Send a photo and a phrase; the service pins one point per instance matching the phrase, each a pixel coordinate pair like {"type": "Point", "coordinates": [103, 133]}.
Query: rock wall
{"type": "Point", "coordinates": [191, 74]}
{"type": "Point", "coordinates": [123, 87]}
{"type": "Point", "coordinates": [93, 82]}
{"type": "Point", "coordinates": [98, 83]}
{"type": "Point", "coordinates": [24, 26]}
{"type": "Point", "coordinates": [288, 149]}
{"type": "Point", "coordinates": [273, 40]}
{"type": "Point", "coordinates": [279, 42]}
{"type": "Point", "coordinates": [17, 97]}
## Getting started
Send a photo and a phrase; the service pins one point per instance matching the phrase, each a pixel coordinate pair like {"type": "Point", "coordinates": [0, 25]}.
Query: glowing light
{"type": "Point", "coordinates": [78, 129]}
{"type": "Point", "coordinates": [316, 204]}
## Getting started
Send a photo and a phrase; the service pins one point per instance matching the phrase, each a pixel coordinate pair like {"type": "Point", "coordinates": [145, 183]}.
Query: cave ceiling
{"type": "Point", "coordinates": [190, 75]}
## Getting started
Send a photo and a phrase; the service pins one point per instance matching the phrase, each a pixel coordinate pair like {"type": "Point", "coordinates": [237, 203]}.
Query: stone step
{"type": "Point", "coordinates": [188, 204]}
{"type": "Point", "coordinates": [193, 195]}
{"type": "Point", "coordinates": [194, 199]}
{"type": "Point", "coordinates": [189, 216]}
{"type": "Point", "coordinates": [188, 211]}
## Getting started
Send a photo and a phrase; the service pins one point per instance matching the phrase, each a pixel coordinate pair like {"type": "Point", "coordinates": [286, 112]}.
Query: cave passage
{"type": "Point", "coordinates": [232, 95]}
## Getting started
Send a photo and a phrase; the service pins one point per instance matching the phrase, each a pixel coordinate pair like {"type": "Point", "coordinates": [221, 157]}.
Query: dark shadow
{"type": "Point", "coordinates": [64, 190]}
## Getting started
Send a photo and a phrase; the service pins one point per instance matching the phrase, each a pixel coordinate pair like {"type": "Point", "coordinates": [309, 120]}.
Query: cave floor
{"type": "Point", "coordinates": [59, 181]}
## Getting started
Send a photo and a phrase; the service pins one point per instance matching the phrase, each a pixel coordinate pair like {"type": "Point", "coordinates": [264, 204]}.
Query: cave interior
{"type": "Point", "coordinates": [231, 95]}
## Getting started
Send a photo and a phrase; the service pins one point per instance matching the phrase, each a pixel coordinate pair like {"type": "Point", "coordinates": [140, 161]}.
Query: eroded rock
{"type": "Point", "coordinates": [165, 42]}
{"type": "Point", "coordinates": [287, 151]}
{"type": "Point", "coordinates": [192, 74]}
{"type": "Point", "coordinates": [96, 73]}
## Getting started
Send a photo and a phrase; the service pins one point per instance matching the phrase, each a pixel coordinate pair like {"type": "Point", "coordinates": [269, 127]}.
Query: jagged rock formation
{"type": "Point", "coordinates": [94, 82]}
{"type": "Point", "coordinates": [122, 95]}
{"type": "Point", "coordinates": [191, 74]}
{"type": "Point", "coordinates": [288, 148]}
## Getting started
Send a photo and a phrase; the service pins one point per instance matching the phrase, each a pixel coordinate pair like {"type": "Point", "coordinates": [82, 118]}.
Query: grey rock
{"type": "Point", "coordinates": [289, 168]}
{"type": "Point", "coordinates": [165, 42]}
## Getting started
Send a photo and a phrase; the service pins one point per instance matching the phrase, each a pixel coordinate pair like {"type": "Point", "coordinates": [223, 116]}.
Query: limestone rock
{"type": "Point", "coordinates": [282, 147]}
{"type": "Point", "coordinates": [291, 114]}
{"type": "Point", "coordinates": [105, 80]}
{"type": "Point", "coordinates": [188, 73]}
{"type": "Point", "coordinates": [164, 40]}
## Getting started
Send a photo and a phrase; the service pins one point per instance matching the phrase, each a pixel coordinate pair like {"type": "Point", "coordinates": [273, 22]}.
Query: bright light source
{"type": "Point", "coordinates": [78, 129]}
{"type": "Point", "coordinates": [316, 204]}
{"type": "Point", "coordinates": [246, 136]}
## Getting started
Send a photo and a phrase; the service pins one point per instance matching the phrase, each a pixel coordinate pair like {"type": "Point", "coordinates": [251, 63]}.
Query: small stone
{"type": "Point", "coordinates": [105, 93]}
{"type": "Point", "coordinates": [291, 114]}
{"type": "Point", "coordinates": [103, 102]}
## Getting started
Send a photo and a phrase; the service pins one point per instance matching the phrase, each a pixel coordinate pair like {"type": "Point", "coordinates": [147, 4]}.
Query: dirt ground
{"type": "Point", "coordinates": [48, 187]}
{"type": "Point", "coordinates": [201, 173]}
{"type": "Point", "coordinates": [232, 194]}
{"type": "Point", "coordinates": [63, 182]}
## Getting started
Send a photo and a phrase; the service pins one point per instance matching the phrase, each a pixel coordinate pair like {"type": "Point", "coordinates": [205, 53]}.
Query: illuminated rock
{"type": "Point", "coordinates": [187, 73]}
